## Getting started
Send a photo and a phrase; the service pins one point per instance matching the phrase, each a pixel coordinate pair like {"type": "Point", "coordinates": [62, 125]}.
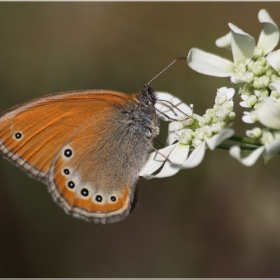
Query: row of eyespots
{"type": "Point", "coordinates": [85, 192]}
{"type": "Point", "coordinates": [71, 185]}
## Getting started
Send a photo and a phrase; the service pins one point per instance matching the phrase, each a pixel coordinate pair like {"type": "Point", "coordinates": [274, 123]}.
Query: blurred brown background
{"type": "Point", "coordinates": [220, 219]}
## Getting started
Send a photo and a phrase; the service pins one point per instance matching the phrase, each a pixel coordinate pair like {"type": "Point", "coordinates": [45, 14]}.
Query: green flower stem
{"type": "Point", "coordinates": [241, 141]}
{"type": "Point", "coordinates": [246, 150]}
{"type": "Point", "coordinates": [244, 140]}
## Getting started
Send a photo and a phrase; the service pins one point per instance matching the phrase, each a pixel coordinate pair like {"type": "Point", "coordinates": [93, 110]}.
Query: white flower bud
{"type": "Point", "coordinates": [254, 133]}
{"type": "Point", "coordinates": [221, 98]}
{"type": "Point", "coordinates": [269, 72]}
{"type": "Point", "coordinates": [261, 82]}
{"type": "Point", "coordinates": [253, 117]}
{"type": "Point", "coordinates": [240, 68]}
{"type": "Point", "coordinates": [186, 136]}
{"type": "Point", "coordinates": [196, 142]}
{"type": "Point", "coordinates": [228, 106]}
{"type": "Point", "coordinates": [258, 53]}
{"type": "Point", "coordinates": [210, 112]}
{"type": "Point", "coordinates": [258, 69]}
{"type": "Point", "coordinates": [248, 77]}
{"type": "Point", "coordinates": [252, 100]}
{"type": "Point", "coordinates": [207, 131]}
{"type": "Point", "coordinates": [231, 116]}
{"type": "Point", "coordinates": [207, 119]}
{"type": "Point", "coordinates": [188, 122]}
{"type": "Point", "coordinates": [262, 61]}
{"type": "Point", "coordinates": [274, 78]}
{"type": "Point", "coordinates": [216, 128]}
{"type": "Point", "coordinates": [261, 93]}
{"type": "Point", "coordinates": [275, 94]}
{"type": "Point", "coordinates": [267, 137]}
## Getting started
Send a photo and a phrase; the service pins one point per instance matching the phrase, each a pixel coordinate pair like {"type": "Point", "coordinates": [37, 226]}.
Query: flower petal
{"type": "Point", "coordinates": [275, 86]}
{"type": "Point", "coordinates": [268, 114]}
{"type": "Point", "coordinates": [269, 36]}
{"type": "Point", "coordinates": [209, 64]}
{"type": "Point", "coordinates": [247, 117]}
{"type": "Point", "coordinates": [177, 157]}
{"type": "Point", "coordinates": [224, 42]}
{"type": "Point", "coordinates": [244, 104]}
{"type": "Point", "coordinates": [176, 110]}
{"type": "Point", "coordinates": [242, 44]}
{"type": "Point", "coordinates": [155, 161]}
{"type": "Point", "coordinates": [217, 139]}
{"type": "Point", "coordinates": [230, 92]}
{"type": "Point", "coordinates": [272, 149]}
{"type": "Point", "coordinates": [179, 154]}
{"type": "Point", "coordinates": [273, 59]}
{"type": "Point", "coordinates": [196, 156]}
{"type": "Point", "coordinates": [173, 127]}
{"type": "Point", "coordinates": [235, 152]}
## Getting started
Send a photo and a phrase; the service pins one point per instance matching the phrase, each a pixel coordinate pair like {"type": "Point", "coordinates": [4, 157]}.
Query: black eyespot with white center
{"type": "Point", "coordinates": [98, 198]}
{"type": "Point", "coordinates": [66, 171]}
{"type": "Point", "coordinates": [113, 198]}
{"type": "Point", "coordinates": [84, 192]}
{"type": "Point", "coordinates": [18, 135]}
{"type": "Point", "coordinates": [71, 185]}
{"type": "Point", "coordinates": [68, 153]}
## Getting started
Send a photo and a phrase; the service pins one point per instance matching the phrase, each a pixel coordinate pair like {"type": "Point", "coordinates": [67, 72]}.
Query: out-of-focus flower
{"type": "Point", "coordinates": [268, 114]}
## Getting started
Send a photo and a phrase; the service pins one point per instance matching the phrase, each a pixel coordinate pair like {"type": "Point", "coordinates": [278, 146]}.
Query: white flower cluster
{"type": "Point", "coordinates": [256, 72]}
{"type": "Point", "coordinates": [193, 131]}
{"type": "Point", "coordinates": [189, 138]}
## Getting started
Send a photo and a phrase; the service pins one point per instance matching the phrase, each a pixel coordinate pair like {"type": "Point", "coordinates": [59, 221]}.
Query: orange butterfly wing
{"type": "Point", "coordinates": [35, 135]}
{"type": "Point", "coordinates": [46, 123]}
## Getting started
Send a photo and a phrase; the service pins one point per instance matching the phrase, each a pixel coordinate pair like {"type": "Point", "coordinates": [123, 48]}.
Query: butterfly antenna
{"type": "Point", "coordinates": [157, 151]}
{"type": "Point", "coordinates": [180, 58]}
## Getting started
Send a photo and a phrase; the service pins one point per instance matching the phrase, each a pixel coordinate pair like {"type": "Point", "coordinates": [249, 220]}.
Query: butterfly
{"type": "Point", "coordinates": [88, 147]}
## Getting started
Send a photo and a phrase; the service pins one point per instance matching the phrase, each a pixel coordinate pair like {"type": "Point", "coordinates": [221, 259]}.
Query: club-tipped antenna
{"type": "Point", "coordinates": [180, 58]}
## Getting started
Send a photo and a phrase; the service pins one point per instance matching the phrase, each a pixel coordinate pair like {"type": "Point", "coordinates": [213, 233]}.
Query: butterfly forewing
{"type": "Point", "coordinates": [32, 134]}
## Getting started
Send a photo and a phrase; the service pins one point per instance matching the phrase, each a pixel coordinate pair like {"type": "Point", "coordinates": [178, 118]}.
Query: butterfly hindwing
{"type": "Point", "coordinates": [101, 186]}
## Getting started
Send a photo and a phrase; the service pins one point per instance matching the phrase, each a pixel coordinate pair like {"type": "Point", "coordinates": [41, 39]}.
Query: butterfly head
{"type": "Point", "coordinates": [148, 96]}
